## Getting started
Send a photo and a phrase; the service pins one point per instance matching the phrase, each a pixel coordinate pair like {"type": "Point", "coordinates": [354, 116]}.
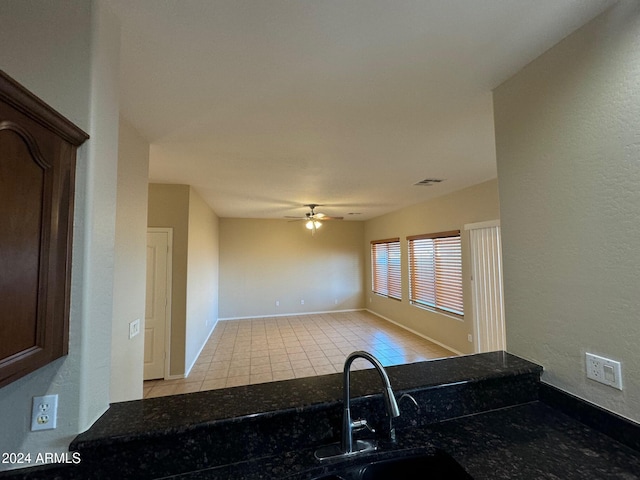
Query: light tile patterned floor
{"type": "Point", "coordinates": [242, 352]}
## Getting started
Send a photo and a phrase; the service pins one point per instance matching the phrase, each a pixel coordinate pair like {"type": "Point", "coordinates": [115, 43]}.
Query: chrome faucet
{"type": "Point", "coordinates": [347, 446]}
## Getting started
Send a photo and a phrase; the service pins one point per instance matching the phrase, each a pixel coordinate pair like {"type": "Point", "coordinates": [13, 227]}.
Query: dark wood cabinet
{"type": "Point", "coordinates": [37, 175]}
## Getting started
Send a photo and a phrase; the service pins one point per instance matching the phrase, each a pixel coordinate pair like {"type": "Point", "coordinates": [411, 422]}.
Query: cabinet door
{"type": "Point", "coordinates": [37, 166]}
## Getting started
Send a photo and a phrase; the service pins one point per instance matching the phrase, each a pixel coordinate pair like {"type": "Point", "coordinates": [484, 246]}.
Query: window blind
{"type": "Point", "coordinates": [385, 266]}
{"type": "Point", "coordinates": [435, 271]}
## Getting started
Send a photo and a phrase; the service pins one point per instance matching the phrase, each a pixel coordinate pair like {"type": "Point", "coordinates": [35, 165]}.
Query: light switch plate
{"type": "Point", "coordinates": [134, 328]}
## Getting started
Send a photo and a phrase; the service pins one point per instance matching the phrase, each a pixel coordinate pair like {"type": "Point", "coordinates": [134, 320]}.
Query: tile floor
{"type": "Point", "coordinates": [242, 352]}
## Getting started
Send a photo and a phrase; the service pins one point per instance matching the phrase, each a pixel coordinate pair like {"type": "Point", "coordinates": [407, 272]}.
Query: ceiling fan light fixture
{"type": "Point", "coordinates": [313, 224]}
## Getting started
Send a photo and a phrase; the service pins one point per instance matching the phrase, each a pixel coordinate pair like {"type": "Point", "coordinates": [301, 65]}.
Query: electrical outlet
{"type": "Point", "coordinates": [470, 338]}
{"type": "Point", "coordinates": [44, 412]}
{"type": "Point", "coordinates": [134, 328]}
{"type": "Point", "coordinates": [277, 303]}
{"type": "Point", "coordinates": [301, 302]}
{"type": "Point", "coordinates": [604, 370]}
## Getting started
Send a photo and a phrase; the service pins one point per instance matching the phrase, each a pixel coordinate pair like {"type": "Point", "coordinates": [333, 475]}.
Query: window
{"type": "Point", "coordinates": [385, 266]}
{"type": "Point", "coordinates": [435, 271]}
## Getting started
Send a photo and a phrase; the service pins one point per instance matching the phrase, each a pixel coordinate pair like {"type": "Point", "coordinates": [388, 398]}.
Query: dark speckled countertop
{"type": "Point", "coordinates": [488, 411]}
{"type": "Point", "coordinates": [533, 441]}
{"type": "Point", "coordinates": [524, 442]}
{"type": "Point", "coordinates": [181, 413]}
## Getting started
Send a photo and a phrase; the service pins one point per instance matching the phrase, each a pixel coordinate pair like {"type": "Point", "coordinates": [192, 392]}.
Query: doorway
{"type": "Point", "coordinates": [157, 331]}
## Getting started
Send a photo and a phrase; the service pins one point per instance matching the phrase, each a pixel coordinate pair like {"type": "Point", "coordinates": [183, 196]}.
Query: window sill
{"type": "Point", "coordinates": [444, 313]}
{"type": "Point", "coordinates": [386, 296]}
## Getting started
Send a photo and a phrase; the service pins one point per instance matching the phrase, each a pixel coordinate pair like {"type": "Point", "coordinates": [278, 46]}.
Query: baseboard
{"type": "Point", "coordinates": [615, 426]}
{"type": "Point", "coordinates": [293, 314]}
{"type": "Point", "coordinates": [416, 333]}
{"type": "Point", "coordinates": [188, 370]}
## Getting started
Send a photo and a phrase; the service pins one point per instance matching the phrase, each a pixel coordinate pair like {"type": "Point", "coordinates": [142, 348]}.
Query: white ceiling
{"type": "Point", "coordinates": [265, 105]}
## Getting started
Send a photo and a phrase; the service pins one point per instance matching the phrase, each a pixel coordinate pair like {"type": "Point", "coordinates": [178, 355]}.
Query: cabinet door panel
{"type": "Point", "coordinates": [37, 162]}
{"type": "Point", "coordinates": [21, 192]}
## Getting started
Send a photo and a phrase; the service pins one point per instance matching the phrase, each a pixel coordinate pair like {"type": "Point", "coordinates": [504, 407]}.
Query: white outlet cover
{"type": "Point", "coordinates": [604, 370]}
{"type": "Point", "coordinates": [44, 413]}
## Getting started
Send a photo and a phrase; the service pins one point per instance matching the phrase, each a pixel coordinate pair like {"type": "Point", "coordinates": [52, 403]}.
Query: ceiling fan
{"type": "Point", "coordinates": [314, 219]}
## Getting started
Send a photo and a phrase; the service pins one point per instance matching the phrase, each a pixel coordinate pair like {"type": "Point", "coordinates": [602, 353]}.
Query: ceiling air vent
{"type": "Point", "coordinates": [427, 182]}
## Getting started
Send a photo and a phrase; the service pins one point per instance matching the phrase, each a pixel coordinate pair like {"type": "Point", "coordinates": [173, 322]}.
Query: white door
{"type": "Point", "coordinates": [486, 286]}
{"type": "Point", "coordinates": [157, 311]}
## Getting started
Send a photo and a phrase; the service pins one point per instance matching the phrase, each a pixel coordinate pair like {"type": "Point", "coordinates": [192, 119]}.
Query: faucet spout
{"type": "Point", "coordinates": [389, 398]}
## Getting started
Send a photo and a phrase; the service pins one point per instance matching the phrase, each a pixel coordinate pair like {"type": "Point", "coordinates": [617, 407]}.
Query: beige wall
{"type": "Point", "coordinates": [568, 146]}
{"type": "Point", "coordinates": [71, 61]}
{"type": "Point", "coordinates": [169, 207]}
{"type": "Point", "coordinates": [202, 276]}
{"type": "Point", "coordinates": [194, 298]}
{"type": "Point", "coordinates": [127, 355]}
{"type": "Point", "coordinates": [264, 261]}
{"type": "Point", "coordinates": [450, 212]}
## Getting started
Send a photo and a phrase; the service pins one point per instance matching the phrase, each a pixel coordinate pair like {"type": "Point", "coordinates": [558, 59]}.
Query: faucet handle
{"type": "Point", "coordinates": [360, 424]}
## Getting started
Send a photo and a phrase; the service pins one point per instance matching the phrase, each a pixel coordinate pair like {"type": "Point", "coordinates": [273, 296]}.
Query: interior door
{"type": "Point", "coordinates": [157, 310]}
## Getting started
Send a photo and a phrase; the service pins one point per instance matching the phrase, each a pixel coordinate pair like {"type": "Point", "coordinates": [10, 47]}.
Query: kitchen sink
{"type": "Point", "coordinates": [436, 466]}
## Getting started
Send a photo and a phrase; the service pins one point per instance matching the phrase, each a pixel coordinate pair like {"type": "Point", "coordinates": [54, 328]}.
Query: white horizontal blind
{"type": "Point", "coordinates": [385, 266]}
{"type": "Point", "coordinates": [435, 271]}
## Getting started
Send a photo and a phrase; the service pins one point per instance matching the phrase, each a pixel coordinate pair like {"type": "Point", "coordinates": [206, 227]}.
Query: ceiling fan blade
{"type": "Point", "coordinates": [313, 216]}
{"type": "Point", "coordinates": [322, 216]}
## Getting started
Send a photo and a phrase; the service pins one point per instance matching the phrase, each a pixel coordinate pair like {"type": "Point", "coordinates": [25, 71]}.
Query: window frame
{"type": "Point", "coordinates": [393, 283]}
{"type": "Point", "coordinates": [443, 292]}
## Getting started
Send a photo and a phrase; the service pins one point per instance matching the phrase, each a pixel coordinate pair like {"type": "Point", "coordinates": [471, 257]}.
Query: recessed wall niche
{"type": "Point", "coordinates": [37, 176]}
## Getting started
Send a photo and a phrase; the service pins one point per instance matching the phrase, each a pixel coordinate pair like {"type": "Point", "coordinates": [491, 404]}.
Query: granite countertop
{"type": "Point", "coordinates": [533, 441]}
{"type": "Point", "coordinates": [181, 413]}
{"type": "Point", "coordinates": [488, 411]}
{"type": "Point", "coordinates": [528, 442]}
